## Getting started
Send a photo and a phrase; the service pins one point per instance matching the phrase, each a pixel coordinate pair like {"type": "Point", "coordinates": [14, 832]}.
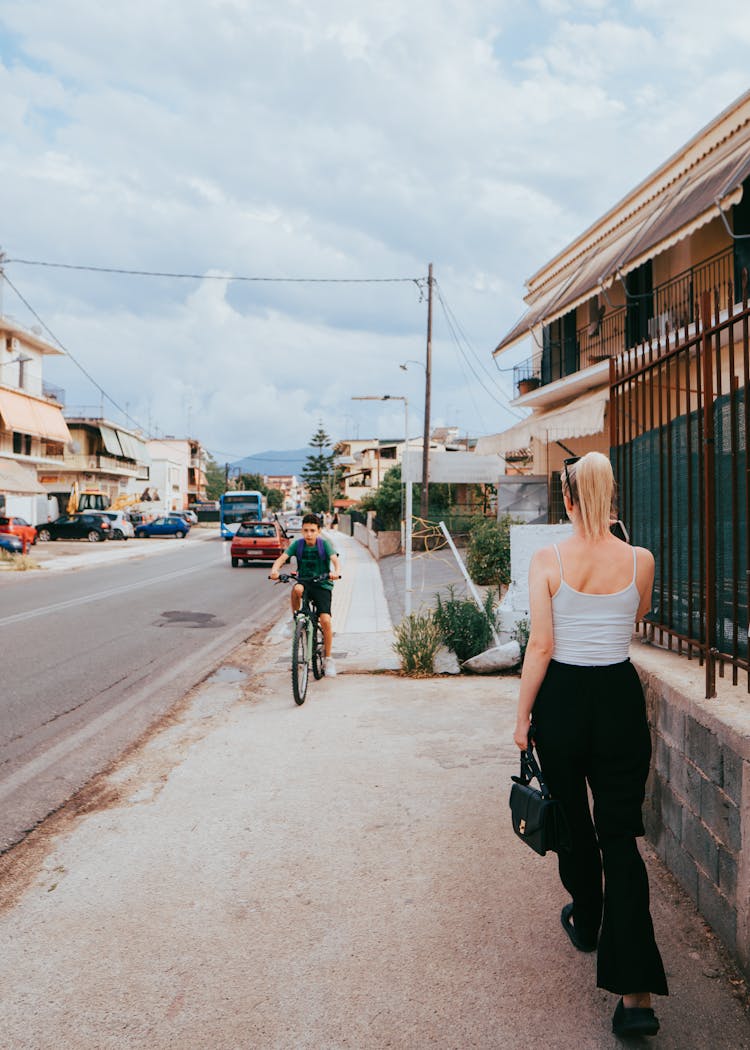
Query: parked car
{"type": "Point", "coordinates": [11, 543]}
{"type": "Point", "coordinates": [18, 527]}
{"type": "Point", "coordinates": [168, 525]}
{"type": "Point", "coordinates": [256, 541]}
{"type": "Point", "coordinates": [122, 529]}
{"type": "Point", "coordinates": [189, 516]}
{"type": "Point", "coordinates": [135, 517]}
{"type": "Point", "coordinates": [293, 523]}
{"type": "Point", "coordinates": [92, 527]}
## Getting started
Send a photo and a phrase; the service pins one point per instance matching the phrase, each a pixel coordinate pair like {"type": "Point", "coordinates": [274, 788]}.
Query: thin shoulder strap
{"type": "Point", "coordinates": [559, 560]}
{"type": "Point", "coordinates": [635, 564]}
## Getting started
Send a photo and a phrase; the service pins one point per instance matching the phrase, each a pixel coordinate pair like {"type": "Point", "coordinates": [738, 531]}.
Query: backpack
{"type": "Point", "coordinates": [322, 553]}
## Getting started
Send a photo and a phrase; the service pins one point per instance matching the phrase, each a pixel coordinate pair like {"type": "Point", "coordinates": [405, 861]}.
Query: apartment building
{"type": "Point", "coordinates": [633, 279]}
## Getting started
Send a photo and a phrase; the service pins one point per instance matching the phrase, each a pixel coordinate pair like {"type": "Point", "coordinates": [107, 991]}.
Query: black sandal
{"type": "Point", "coordinates": [634, 1020]}
{"type": "Point", "coordinates": [581, 943]}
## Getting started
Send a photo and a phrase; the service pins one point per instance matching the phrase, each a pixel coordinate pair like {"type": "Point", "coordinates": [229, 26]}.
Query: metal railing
{"type": "Point", "coordinates": [679, 433]}
{"type": "Point", "coordinates": [54, 393]}
{"type": "Point", "coordinates": [670, 306]}
{"type": "Point", "coordinates": [81, 461]}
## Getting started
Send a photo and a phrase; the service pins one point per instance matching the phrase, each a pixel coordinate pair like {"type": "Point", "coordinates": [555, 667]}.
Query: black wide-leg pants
{"type": "Point", "coordinates": [591, 729]}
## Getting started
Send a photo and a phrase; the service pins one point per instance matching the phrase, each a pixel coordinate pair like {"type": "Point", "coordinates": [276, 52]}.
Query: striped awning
{"type": "Point", "coordinates": [576, 419]}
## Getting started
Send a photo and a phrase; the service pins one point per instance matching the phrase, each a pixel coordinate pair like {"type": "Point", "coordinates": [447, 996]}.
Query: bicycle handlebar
{"type": "Point", "coordinates": [291, 577]}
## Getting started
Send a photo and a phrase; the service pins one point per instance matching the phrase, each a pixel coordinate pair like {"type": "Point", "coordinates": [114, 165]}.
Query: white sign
{"type": "Point", "coordinates": [459, 468]}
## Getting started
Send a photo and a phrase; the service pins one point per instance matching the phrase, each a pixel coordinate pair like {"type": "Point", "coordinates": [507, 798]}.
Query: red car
{"type": "Point", "coordinates": [257, 541]}
{"type": "Point", "coordinates": [19, 527]}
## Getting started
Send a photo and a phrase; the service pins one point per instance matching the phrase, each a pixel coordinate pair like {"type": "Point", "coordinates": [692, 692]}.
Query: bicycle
{"type": "Point", "coordinates": [308, 646]}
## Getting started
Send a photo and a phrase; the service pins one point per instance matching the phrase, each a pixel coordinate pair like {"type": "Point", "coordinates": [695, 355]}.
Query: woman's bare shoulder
{"type": "Point", "coordinates": [543, 559]}
{"type": "Point", "coordinates": [644, 556]}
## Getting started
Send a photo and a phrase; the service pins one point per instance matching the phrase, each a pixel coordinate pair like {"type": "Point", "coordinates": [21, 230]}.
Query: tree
{"type": "Point", "coordinates": [215, 478]}
{"type": "Point", "coordinates": [386, 501]}
{"type": "Point", "coordinates": [275, 499]}
{"type": "Point", "coordinates": [251, 483]}
{"type": "Point", "coordinates": [322, 477]}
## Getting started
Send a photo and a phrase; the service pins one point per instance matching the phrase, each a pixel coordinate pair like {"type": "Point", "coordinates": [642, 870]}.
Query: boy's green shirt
{"type": "Point", "coordinates": [311, 564]}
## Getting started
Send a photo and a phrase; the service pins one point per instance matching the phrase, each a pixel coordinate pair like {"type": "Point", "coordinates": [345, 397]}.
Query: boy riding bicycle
{"type": "Point", "coordinates": [315, 557]}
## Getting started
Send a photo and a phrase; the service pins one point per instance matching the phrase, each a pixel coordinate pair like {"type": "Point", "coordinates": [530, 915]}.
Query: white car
{"type": "Point", "coordinates": [122, 529]}
{"type": "Point", "coordinates": [189, 516]}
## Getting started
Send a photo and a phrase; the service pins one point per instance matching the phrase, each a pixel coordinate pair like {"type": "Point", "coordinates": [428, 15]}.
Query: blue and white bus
{"type": "Point", "coordinates": [236, 507]}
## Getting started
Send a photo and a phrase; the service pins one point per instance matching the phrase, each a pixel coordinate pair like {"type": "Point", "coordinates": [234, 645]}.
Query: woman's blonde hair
{"type": "Point", "coordinates": [590, 485]}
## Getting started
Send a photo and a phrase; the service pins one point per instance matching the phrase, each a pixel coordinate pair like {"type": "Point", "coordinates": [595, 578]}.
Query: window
{"type": "Point", "coordinates": [21, 444]}
{"type": "Point", "coordinates": [639, 287]}
{"type": "Point", "coordinates": [741, 220]}
{"type": "Point", "coordinates": [560, 348]}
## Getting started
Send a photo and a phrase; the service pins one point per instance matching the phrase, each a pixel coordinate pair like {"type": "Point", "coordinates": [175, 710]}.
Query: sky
{"type": "Point", "coordinates": [340, 141]}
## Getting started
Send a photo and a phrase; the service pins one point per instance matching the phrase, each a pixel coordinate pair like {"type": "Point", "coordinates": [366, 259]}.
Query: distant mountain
{"type": "Point", "coordinates": [287, 461]}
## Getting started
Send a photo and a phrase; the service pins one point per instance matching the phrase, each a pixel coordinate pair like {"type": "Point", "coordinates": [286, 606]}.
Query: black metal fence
{"type": "Point", "coordinates": [678, 438]}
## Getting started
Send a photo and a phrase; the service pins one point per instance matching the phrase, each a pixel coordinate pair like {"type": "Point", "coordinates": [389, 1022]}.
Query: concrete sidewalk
{"type": "Point", "coordinates": [337, 875]}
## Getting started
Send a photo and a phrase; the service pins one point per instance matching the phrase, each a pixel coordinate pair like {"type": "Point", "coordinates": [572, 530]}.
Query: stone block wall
{"type": "Point", "coordinates": [697, 810]}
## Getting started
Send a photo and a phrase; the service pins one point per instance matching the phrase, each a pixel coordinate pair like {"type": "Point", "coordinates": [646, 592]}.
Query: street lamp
{"type": "Point", "coordinates": [408, 508]}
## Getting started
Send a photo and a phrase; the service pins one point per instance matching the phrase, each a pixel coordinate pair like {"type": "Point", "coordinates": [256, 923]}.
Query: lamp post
{"type": "Point", "coordinates": [408, 507]}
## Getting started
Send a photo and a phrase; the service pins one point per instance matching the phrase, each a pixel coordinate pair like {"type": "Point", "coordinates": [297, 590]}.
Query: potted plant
{"type": "Point", "coordinates": [525, 386]}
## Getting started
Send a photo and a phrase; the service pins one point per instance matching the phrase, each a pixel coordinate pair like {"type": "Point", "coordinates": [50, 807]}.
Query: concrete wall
{"type": "Point", "coordinates": [697, 810]}
{"type": "Point", "coordinates": [379, 544]}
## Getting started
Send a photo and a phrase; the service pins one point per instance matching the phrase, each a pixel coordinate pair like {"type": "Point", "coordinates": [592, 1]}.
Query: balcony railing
{"type": "Point", "coordinates": [671, 304]}
{"type": "Point", "coordinates": [93, 462]}
{"type": "Point", "coordinates": [54, 393]}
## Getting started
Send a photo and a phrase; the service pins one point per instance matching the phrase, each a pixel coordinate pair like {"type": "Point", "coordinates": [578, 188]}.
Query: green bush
{"type": "Point", "coordinates": [417, 641]}
{"type": "Point", "coordinates": [488, 556]}
{"type": "Point", "coordinates": [464, 629]}
{"type": "Point", "coordinates": [521, 635]}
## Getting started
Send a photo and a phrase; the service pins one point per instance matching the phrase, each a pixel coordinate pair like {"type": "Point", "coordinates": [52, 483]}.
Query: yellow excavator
{"type": "Point", "coordinates": [97, 499]}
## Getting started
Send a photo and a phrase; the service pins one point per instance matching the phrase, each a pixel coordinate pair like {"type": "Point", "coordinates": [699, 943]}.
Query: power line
{"type": "Point", "coordinates": [77, 363]}
{"type": "Point", "coordinates": [217, 277]}
{"type": "Point", "coordinates": [505, 403]}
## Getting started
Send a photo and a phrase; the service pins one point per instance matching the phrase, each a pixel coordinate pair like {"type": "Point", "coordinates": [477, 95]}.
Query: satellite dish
{"type": "Point", "coordinates": [74, 447]}
{"type": "Point", "coordinates": [36, 329]}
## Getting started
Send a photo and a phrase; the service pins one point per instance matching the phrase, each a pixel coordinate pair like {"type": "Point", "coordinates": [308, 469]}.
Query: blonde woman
{"type": "Point", "coordinates": [590, 730]}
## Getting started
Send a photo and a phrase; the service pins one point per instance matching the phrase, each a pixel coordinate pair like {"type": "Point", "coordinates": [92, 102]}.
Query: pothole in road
{"type": "Point", "coordinates": [184, 618]}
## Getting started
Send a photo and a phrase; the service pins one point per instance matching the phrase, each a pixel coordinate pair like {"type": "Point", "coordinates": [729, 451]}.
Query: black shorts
{"type": "Point", "coordinates": [320, 596]}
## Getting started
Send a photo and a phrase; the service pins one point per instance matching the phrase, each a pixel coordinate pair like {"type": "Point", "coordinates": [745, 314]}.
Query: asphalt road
{"type": "Point", "coordinates": [91, 658]}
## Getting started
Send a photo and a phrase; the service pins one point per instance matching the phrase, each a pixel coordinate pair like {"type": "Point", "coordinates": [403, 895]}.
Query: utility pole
{"type": "Point", "coordinates": [423, 503]}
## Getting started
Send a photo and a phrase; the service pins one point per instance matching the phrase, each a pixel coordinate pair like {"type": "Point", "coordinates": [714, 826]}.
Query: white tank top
{"type": "Point", "coordinates": [593, 629]}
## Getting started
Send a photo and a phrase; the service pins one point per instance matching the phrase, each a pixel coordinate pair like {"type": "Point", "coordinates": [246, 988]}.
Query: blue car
{"type": "Point", "coordinates": [169, 525]}
{"type": "Point", "coordinates": [10, 543]}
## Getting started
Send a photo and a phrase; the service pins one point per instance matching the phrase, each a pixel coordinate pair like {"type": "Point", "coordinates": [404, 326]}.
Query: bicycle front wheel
{"type": "Point", "coordinates": [318, 650]}
{"type": "Point", "coordinates": [299, 662]}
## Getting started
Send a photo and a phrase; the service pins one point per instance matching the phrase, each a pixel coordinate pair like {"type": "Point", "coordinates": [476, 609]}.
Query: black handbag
{"type": "Point", "coordinates": [538, 819]}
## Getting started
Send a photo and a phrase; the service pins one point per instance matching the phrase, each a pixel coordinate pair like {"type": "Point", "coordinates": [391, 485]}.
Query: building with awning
{"type": "Point", "coordinates": [631, 280]}
{"type": "Point", "coordinates": [33, 431]}
{"type": "Point", "coordinates": [99, 456]}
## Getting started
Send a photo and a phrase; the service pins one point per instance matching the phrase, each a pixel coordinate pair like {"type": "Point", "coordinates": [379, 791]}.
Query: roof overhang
{"type": "Point", "coordinates": [577, 419]}
{"type": "Point", "coordinates": [698, 195]}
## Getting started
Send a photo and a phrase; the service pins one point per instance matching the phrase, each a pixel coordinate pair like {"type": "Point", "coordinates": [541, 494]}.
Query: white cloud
{"type": "Point", "coordinates": [286, 139]}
